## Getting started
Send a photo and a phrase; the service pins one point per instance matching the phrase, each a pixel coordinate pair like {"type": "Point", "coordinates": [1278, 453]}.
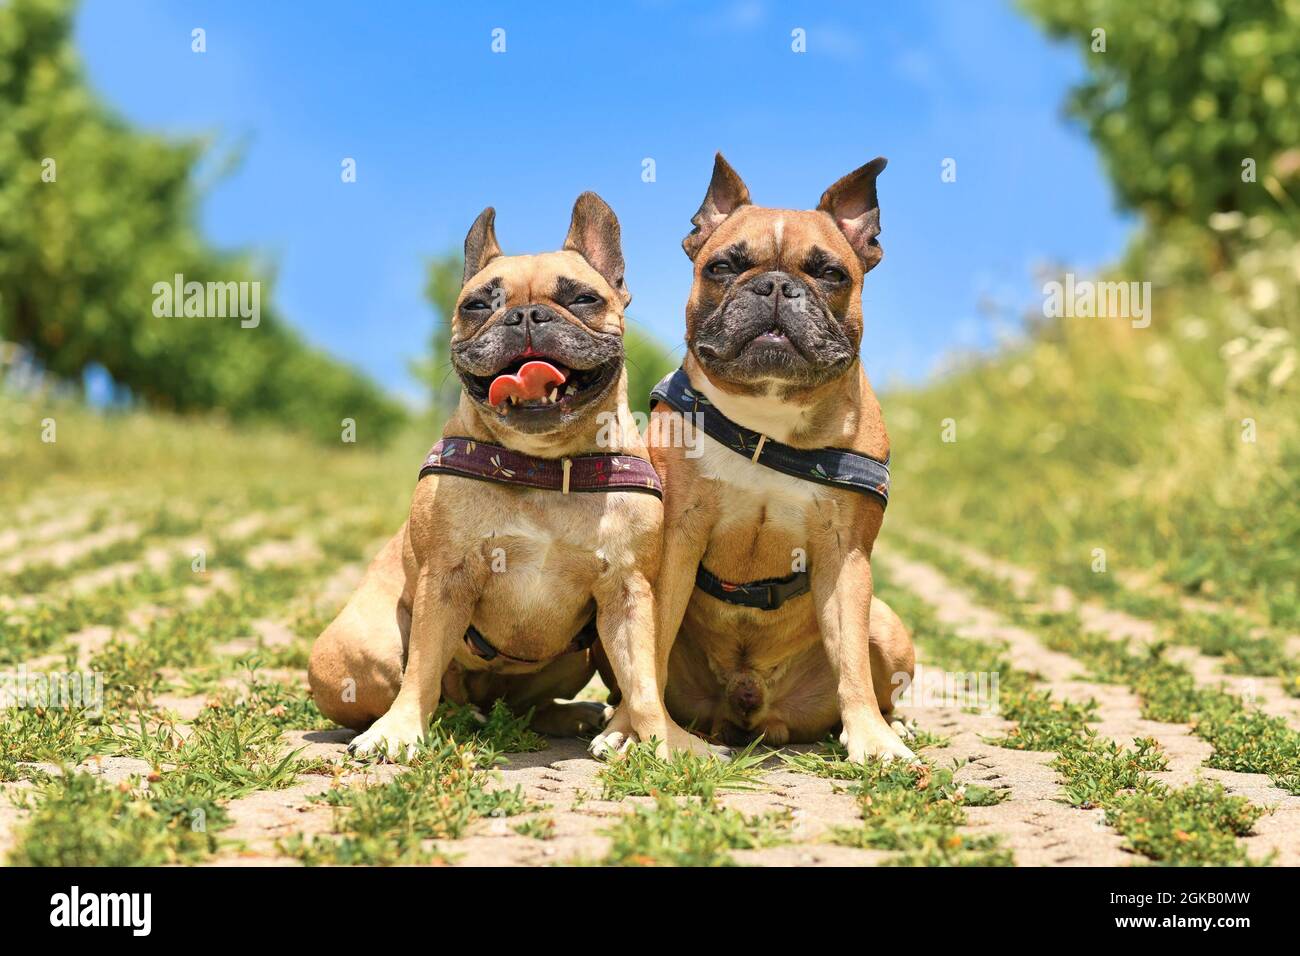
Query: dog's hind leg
{"type": "Point", "coordinates": [356, 663]}
{"type": "Point", "coordinates": [892, 655]}
{"type": "Point", "coordinates": [548, 693]}
{"type": "Point", "coordinates": [571, 718]}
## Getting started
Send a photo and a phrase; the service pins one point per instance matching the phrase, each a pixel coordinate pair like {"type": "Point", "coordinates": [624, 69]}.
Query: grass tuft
{"type": "Point", "coordinates": [77, 820]}
{"type": "Point", "coordinates": [444, 791]}
{"type": "Point", "coordinates": [691, 832]}
{"type": "Point", "coordinates": [641, 772]}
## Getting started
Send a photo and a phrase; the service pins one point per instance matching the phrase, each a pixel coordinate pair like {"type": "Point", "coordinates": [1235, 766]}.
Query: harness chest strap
{"type": "Point", "coordinates": [838, 467]}
{"type": "Point", "coordinates": [583, 473]}
{"type": "Point", "coordinates": [480, 646]}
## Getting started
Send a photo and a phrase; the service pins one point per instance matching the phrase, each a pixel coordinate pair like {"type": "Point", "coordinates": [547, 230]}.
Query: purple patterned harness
{"type": "Point", "coordinates": [468, 458]}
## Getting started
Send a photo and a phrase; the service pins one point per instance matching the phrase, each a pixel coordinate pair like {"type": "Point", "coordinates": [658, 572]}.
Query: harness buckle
{"type": "Point", "coordinates": [781, 591]}
{"type": "Point", "coordinates": [766, 595]}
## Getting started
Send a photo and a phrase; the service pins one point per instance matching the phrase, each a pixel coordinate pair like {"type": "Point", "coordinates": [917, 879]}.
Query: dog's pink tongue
{"type": "Point", "coordinates": [532, 381]}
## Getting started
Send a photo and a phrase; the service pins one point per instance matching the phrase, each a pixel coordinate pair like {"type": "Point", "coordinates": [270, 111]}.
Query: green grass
{"type": "Point", "coordinates": [281, 706]}
{"type": "Point", "coordinates": [180, 478]}
{"type": "Point", "coordinates": [77, 820]}
{"type": "Point", "coordinates": [443, 792]}
{"type": "Point", "coordinates": [1086, 433]}
{"type": "Point", "coordinates": [1098, 770]}
{"type": "Point", "coordinates": [536, 828]}
{"type": "Point", "coordinates": [1190, 826]}
{"type": "Point", "coordinates": [52, 734]}
{"type": "Point", "coordinates": [226, 755]}
{"type": "Point", "coordinates": [1246, 648]}
{"type": "Point", "coordinates": [498, 731]}
{"type": "Point", "coordinates": [1201, 820]}
{"type": "Point", "coordinates": [1044, 722]}
{"type": "Point", "coordinates": [1194, 825]}
{"type": "Point", "coordinates": [163, 523]}
{"type": "Point", "coordinates": [26, 633]}
{"type": "Point", "coordinates": [691, 831]}
{"type": "Point", "coordinates": [640, 772]}
{"type": "Point", "coordinates": [914, 809]}
{"type": "Point", "coordinates": [1244, 739]}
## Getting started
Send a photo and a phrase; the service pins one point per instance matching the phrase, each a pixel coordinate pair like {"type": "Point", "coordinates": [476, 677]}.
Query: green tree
{"type": "Point", "coordinates": [441, 288]}
{"type": "Point", "coordinates": [1183, 96]}
{"type": "Point", "coordinates": [647, 362]}
{"type": "Point", "coordinates": [93, 214]}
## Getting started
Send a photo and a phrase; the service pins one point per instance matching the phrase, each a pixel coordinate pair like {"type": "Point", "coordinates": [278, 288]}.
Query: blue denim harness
{"type": "Point", "coordinates": [837, 467]}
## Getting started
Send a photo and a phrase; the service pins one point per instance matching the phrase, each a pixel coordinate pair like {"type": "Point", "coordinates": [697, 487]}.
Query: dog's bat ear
{"type": "Point", "coordinates": [852, 203]}
{"type": "Point", "coordinates": [727, 193]}
{"type": "Point", "coordinates": [480, 244]}
{"type": "Point", "coordinates": [594, 234]}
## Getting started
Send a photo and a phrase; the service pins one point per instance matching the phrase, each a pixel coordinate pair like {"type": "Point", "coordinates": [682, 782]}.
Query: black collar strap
{"type": "Point", "coordinates": [837, 467]}
{"type": "Point", "coordinates": [480, 646]}
{"type": "Point", "coordinates": [766, 595]}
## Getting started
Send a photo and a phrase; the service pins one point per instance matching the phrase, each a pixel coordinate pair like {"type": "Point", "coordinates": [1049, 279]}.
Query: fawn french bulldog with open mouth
{"type": "Point", "coordinates": [527, 558]}
{"type": "Point", "coordinates": [767, 624]}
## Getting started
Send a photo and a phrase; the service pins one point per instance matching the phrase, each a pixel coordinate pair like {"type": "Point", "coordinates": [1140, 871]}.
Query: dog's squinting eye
{"type": "Point", "coordinates": [475, 305]}
{"type": "Point", "coordinates": [720, 269]}
{"type": "Point", "coordinates": [833, 274]}
{"type": "Point", "coordinates": [585, 299]}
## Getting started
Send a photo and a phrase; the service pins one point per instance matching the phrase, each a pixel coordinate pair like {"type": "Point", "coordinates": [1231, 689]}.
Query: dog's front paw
{"type": "Point", "coordinates": [680, 740]}
{"type": "Point", "coordinates": [616, 736]}
{"type": "Point", "coordinates": [906, 729]}
{"type": "Point", "coordinates": [619, 735]}
{"type": "Point", "coordinates": [395, 738]}
{"type": "Point", "coordinates": [880, 742]}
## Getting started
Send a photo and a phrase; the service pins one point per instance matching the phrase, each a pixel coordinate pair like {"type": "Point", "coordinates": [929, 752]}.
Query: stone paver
{"type": "Point", "coordinates": [1120, 719]}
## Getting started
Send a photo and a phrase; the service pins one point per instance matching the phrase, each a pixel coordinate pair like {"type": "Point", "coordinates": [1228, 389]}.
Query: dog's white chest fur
{"type": "Point", "coordinates": [529, 547]}
{"type": "Point", "coordinates": [765, 413]}
{"type": "Point", "coordinates": [756, 494]}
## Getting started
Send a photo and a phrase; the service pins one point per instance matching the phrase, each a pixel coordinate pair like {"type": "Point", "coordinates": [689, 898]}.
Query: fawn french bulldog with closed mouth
{"type": "Point", "coordinates": [767, 622]}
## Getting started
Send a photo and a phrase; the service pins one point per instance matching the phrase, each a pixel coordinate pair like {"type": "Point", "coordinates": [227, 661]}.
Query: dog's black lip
{"type": "Point", "coordinates": [755, 343]}
{"type": "Point", "coordinates": [766, 340]}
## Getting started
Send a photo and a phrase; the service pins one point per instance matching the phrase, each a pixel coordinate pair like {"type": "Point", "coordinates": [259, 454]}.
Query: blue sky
{"type": "Point", "coordinates": [440, 126]}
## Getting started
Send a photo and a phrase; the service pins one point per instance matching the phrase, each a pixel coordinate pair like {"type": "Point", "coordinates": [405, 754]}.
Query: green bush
{"type": "Point", "coordinates": [1174, 449]}
{"type": "Point", "coordinates": [93, 214]}
{"type": "Point", "coordinates": [1183, 93]}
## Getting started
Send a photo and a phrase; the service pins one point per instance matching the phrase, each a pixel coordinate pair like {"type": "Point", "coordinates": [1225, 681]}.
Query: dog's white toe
{"type": "Point", "coordinates": [607, 745]}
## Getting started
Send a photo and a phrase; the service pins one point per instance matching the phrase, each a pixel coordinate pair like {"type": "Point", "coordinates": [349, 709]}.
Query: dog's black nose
{"type": "Point", "coordinates": [528, 313]}
{"type": "Point", "coordinates": [769, 282]}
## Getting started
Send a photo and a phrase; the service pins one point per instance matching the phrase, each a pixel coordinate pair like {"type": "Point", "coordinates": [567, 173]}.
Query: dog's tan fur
{"type": "Point", "coordinates": [831, 658]}
{"type": "Point", "coordinates": [398, 646]}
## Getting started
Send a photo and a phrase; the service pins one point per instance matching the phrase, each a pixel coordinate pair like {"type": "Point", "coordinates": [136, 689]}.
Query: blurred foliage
{"type": "Point", "coordinates": [1185, 92]}
{"type": "Point", "coordinates": [646, 359]}
{"type": "Point", "coordinates": [1175, 449]}
{"type": "Point", "coordinates": [79, 255]}
{"type": "Point", "coordinates": [647, 362]}
{"type": "Point", "coordinates": [441, 288]}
